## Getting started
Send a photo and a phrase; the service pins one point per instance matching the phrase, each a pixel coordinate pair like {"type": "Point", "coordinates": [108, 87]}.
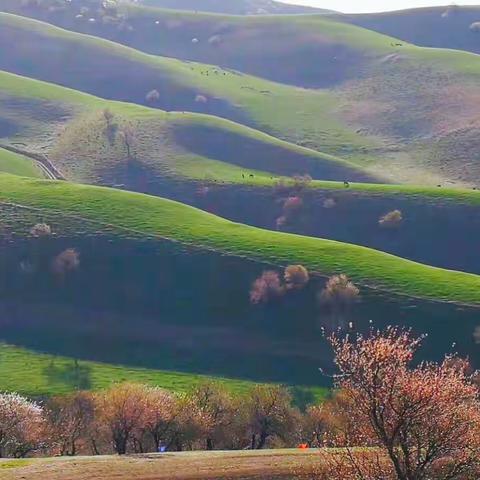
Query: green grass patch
{"type": "Point", "coordinates": [156, 217]}
{"type": "Point", "coordinates": [18, 165]}
{"type": "Point", "coordinates": [10, 464]}
{"type": "Point", "coordinates": [37, 374]}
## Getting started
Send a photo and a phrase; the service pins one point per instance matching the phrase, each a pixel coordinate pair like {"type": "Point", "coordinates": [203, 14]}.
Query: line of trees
{"type": "Point", "coordinates": [389, 419]}
{"type": "Point", "coordinates": [136, 418]}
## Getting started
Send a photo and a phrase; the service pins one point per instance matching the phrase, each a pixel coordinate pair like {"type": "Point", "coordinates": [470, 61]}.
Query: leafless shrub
{"type": "Point", "coordinates": [266, 287]}
{"type": "Point", "coordinates": [391, 219]}
{"type": "Point", "coordinates": [329, 203]}
{"type": "Point", "coordinates": [339, 291]}
{"type": "Point", "coordinates": [65, 262]}
{"type": "Point", "coordinates": [108, 116]}
{"type": "Point", "coordinates": [292, 204]}
{"type": "Point", "coordinates": [451, 10]}
{"type": "Point", "coordinates": [153, 96]}
{"type": "Point", "coordinates": [475, 27]}
{"type": "Point", "coordinates": [215, 40]}
{"type": "Point", "coordinates": [281, 221]}
{"type": "Point", "coordinates": [202, 191]}
{"type": "Point", "coordinates": [296, 277]}
{"type": "Point", "coordinates": [41, 230]}
{"type": "Point", "coordinates": [301, 181]}
{"type": "Point", "coordinates": [281, 187]}
{"type": "Point", "coordinates": [127, 134]}
{"type": "Point", "coordinates": [201, 99]}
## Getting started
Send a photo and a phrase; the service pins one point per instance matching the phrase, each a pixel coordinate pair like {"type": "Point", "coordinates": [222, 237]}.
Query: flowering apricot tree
{"type": "Point", "coordinates": [418, 423]}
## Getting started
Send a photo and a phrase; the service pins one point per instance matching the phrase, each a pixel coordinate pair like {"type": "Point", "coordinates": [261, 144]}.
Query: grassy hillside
{"type": "Point", "coordinates": [233, 7]}
{"type": "Point", "coordinates": [161, 286]}
{"type": "Point", "coordinates": [86, 146]}
{"type": "Point", "coordinates": [115, 72]}
{"type": "Point", "coordinates": [441, 27]}
{"type": "Point", "coordinates": [400, 110]}
{"type": "Point", "coordinates": [37, 374]}
{"type": "Point", "coordinates": [208, 162]}
{"type": "Point", "coordinates": [158, 217]}
{"type": "Point", "coordinates": [18, 165]}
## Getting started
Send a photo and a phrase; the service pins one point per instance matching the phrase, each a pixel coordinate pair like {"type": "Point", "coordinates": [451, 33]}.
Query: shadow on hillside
{"type": "Point", "coordinates": [75, 376]}
{"type": "Point", "coordinates": [164, 306]}
{"type": "Point", "coordinates": [251, 153]}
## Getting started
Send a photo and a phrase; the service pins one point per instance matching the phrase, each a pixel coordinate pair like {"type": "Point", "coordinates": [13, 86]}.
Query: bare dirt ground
{"type": "Point", "coordinates": [245, 465]}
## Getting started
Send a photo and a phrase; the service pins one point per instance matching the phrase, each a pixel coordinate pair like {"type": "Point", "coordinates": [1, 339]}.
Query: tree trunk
{"type": "Point", "coordinates": [261, 442]}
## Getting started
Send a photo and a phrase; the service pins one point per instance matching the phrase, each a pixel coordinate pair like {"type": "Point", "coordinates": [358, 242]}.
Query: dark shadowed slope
{"type": "Point", "coordinates": [456, 27]}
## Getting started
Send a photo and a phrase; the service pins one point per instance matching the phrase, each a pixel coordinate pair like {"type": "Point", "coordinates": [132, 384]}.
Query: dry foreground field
{"type": "Point", "coordinates": [247, 465]}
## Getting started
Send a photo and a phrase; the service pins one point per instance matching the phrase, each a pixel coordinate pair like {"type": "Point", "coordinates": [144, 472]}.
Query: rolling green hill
{"type": "Point", "coordinates": [404, 112]}
{"type": "Point", "coordinates": [233, 7]}
{"type": "Point", "coordinates": [88, 146]}
{"type": "Point", "coordinates": [440, 27]}
{"type": "Point", "coordinates": [233, 171]}
{"type": "Point", "coordinates": [153, 216]}
{"type": "Point", "coordinates": [162, 286]}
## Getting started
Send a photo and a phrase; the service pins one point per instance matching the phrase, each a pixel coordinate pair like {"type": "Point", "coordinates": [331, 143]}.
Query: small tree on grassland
{"type": "Point", "coordinates": [269, 414]}
{"type": "Point", "coordinates": [127, 134]}
{"type": "Point", "coordinates": [217, 406]}
{"type": "Point", "coordinates": [296, 277]}
{"type": "Point", "coordinates": [391, 219]}
{"type": "Point", "coordinates": [65, 262]}
{"type": "Point", "coordinates": [22, 426]}
{"type": "Point", "coordinates": [266, 287]}
{"type": "Point", "coordinates": [122, 410]}
{"type": "Point", "coordinates": [153, 96]}
{"type": "Point", "coordinates": [421, 422]}
{"type": "Point", "coordinates": [338, 297]}
{"type": "Point", "coordinates": [41, 230]}
{"type": "Point", "coordinates": [69, 418]}
{"type": "Point", "coordinates": [161, 414]}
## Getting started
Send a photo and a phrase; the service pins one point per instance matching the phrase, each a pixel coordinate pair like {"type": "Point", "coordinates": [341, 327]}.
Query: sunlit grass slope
{"type": "Point", "coordinates": [171, 220]}
{"type": "Point", "coordinates": [400, 110]}
{"type": "Point", "coordinates": [36, 374]}
{"type": "Point", "coordinates": [18, 165]}
{"type": "Point", "coordinates": [189, 145]}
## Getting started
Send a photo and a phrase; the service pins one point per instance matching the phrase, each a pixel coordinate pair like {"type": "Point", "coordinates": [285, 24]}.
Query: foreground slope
{"type": "Point", "coordinates": [271, 464]}
{"type": "Point", "coordinates": [409, 114]}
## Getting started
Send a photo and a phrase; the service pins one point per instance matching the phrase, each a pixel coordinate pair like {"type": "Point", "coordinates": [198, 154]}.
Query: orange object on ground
{"type": "Point", "coordinates": [303, 446]}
